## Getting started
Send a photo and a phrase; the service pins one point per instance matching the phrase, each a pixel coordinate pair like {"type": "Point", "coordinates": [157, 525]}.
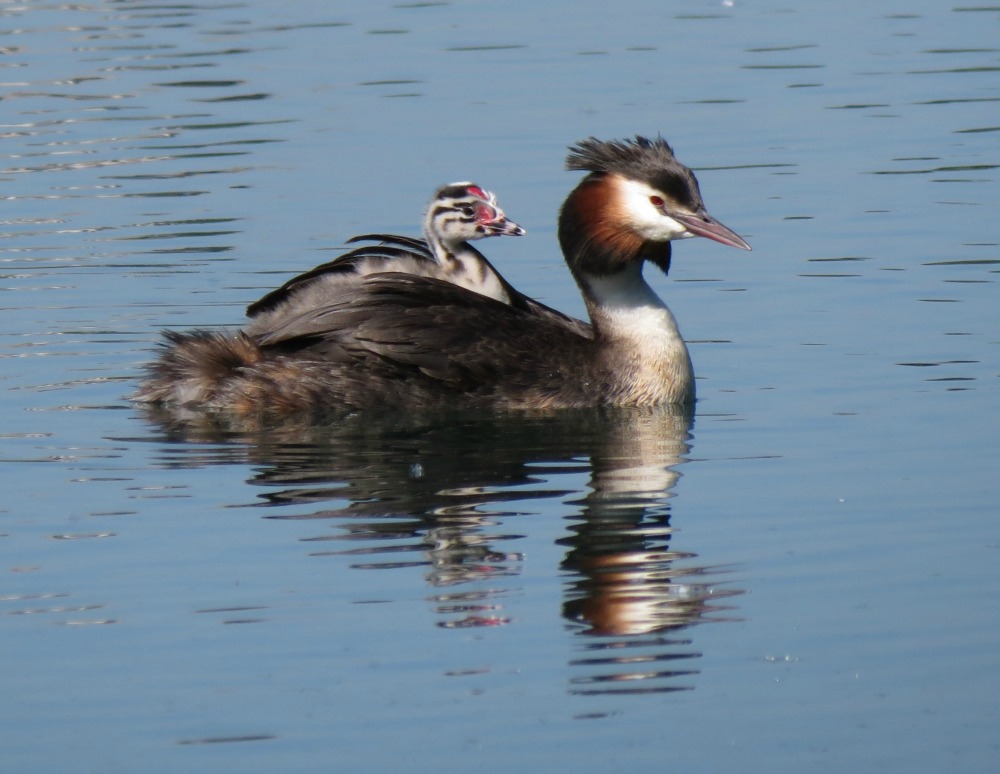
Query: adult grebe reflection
{"type": "Point", "coordinates": [458, 496]}
{"type": "Point", "coordinates": [627, 591]}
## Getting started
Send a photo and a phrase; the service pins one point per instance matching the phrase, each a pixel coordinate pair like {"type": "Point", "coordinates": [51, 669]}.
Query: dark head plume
{"type": "Point", "coordinates": [651, 161]}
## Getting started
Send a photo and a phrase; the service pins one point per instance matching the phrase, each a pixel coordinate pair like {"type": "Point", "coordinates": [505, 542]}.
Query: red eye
{"type": "Point", "coordinates": [656, 201]}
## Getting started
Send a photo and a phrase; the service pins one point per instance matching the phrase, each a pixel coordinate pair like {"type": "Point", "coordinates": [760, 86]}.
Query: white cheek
{"type": "Point", "coordinates": [645, 218]}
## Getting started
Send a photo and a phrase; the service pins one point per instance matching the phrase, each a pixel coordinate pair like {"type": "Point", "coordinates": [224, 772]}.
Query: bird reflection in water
{"type": "Point", "coordinates": [440, 493]}
{"type": "Point", "coordinates": [626, 591]}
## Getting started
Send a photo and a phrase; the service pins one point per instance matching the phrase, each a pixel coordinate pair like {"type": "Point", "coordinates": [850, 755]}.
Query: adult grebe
{"type": "Point", "coordinates": [396, 340]}
{"type": "Point", "coordinates": [458, 214]}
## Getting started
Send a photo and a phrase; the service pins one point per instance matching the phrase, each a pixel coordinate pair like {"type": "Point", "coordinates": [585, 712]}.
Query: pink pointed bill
{"type": "Point", "coordinates": [704, 225]}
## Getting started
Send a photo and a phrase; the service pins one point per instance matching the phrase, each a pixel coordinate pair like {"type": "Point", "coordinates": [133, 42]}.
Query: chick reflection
{"type": "Point", "coordinates": [628, 590]}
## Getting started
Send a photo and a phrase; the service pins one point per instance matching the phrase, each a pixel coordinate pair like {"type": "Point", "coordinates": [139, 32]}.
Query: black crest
{"type": "Point", "coordinates": [593, 155]}
{"type": "Point", "coordinates": [640, 158]}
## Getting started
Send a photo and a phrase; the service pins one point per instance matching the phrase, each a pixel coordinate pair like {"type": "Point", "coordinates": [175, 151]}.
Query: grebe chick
{"type": "Point", "coordinates": [458, 213]}
{"type": "Point", "coordinates": [400, 340]}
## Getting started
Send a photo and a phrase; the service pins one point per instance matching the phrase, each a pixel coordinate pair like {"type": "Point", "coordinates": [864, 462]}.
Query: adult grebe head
{"type": "Point", "coordinates": [637, 199]}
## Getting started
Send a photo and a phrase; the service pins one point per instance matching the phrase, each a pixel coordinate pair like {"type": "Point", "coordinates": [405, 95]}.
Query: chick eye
{"type": "Point", "coordinates": [468, 212]}
{"type": "Point", "coordinates": [656, 201]}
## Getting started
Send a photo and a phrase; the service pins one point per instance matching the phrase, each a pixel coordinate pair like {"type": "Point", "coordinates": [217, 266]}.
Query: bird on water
{"type": "Point", "coordinates": [392, 338]}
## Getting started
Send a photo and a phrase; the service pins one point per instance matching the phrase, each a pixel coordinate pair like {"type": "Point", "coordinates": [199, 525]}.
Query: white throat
{"type": "Point", "coordinates": [642, 333]}
{"type": "Point", "coordinates": [626, 298]}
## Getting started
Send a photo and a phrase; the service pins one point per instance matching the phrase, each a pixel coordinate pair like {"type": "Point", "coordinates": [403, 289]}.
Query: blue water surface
{"type": "Point", "coordinates": [801, 577]}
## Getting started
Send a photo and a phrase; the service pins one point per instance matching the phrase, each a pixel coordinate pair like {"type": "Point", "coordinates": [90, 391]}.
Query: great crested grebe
{"type": "Point", "coordinates": [394, 339]}
{"type": "Point", "coordinates": [458, 213]}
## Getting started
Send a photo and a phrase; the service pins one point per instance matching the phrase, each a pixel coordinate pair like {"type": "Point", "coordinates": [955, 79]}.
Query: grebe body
{"type": "Point", "coordinates": [397, 339]}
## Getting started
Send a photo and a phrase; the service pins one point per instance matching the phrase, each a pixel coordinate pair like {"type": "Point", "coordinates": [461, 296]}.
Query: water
{"type": "Point", "coordinates": [804, 577]}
